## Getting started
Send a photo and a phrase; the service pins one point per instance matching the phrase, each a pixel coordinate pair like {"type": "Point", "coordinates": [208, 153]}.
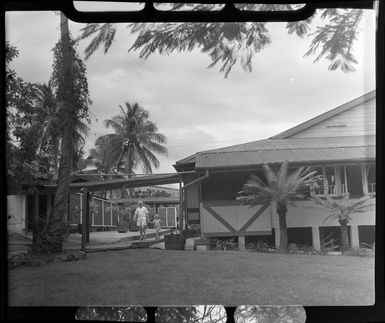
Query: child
{"type": "Point", "coordinates": [157, 225]}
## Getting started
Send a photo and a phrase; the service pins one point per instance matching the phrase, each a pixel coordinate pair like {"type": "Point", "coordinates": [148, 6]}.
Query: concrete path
{"type": "Point", "coordinates": [110, 239]}
{"type": "Point", "coordinates": [99, 241]}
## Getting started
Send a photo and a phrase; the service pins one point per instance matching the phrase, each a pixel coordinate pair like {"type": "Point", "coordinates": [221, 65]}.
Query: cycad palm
{"type": "Point", "coordinates": [136, 139]}
{"type": "Point", "coordinates": [342, 210]}
{"type": "Point", "coordinates": [281, 188]}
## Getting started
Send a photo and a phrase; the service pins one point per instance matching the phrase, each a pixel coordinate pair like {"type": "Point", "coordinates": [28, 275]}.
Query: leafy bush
{"type": "Point", "coordinates": [224, 244]}
{"type": "Point", "coordinates": [192, 231]}
{"type": "Point", "coordinates": [302, 250]}
{"type": "Point", "coordinates": [260, 246]}
{"type": "Point", "coordinates": [360, 252]}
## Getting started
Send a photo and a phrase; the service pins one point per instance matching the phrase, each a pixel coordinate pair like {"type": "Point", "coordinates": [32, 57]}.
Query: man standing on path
{"type": "Point", "coordinates": [141, 218]}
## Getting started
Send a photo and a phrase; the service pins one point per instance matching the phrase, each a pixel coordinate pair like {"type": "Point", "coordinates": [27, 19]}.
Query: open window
{"type": "Point", "coordinates": [355, 180]}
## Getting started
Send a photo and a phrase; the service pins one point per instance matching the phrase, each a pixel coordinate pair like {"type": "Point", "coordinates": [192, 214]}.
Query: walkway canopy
{"type": "Point", "coordinates": [136, 181]}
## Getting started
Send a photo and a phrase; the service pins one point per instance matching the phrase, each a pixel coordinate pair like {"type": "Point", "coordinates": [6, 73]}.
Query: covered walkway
{"type": "Point", "coordinates": [86, 188]}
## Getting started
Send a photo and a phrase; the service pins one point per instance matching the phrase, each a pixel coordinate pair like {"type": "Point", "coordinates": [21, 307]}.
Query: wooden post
{"type": "Point", "coordinates": [316, 238]}
{"type": "Point", "coordinates": [200, 208]}
{"type": "Point", "coordinates": [84, 218]}
{"type": "Point", "coordinates": [35, 224]}
{"type": "Point", "coordinates": [180, 207]}
{"type": "Point", "coordinates": [88, 196]}
{"type": "Point", "coordinates": [241, 242]}
{"type": "Point", "coordinates": [103, 215]}
{"type": "Point", "coordinates": [185, 207]}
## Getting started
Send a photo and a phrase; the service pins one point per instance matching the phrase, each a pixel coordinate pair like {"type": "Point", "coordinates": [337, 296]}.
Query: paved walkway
{"type": "Point", "coordinates": [99, 241]}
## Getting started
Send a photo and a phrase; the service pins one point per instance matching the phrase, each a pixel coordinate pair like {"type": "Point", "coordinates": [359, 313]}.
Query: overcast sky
{"type": "Point", "coordinates": [196, 107]}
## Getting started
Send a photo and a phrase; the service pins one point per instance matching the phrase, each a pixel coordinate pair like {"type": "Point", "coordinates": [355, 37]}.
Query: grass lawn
{"type": "Point", "coordinates": [168, 277]}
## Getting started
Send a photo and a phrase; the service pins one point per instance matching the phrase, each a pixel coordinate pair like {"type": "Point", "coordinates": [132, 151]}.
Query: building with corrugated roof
{"type": "Point", "coordinates": [339, 144]}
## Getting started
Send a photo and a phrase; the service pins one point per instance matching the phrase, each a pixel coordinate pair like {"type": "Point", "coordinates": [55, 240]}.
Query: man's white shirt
{"type": "Point", "coordinates": [141, 212]}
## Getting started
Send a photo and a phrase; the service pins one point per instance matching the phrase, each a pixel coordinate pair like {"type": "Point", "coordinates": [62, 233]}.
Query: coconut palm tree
{"type": "Point", "coordinates": [135, 139]}
{"type": "Point", "coordinates": [281, 188]}
{"type": "Point", "coordinates": [342, 210]}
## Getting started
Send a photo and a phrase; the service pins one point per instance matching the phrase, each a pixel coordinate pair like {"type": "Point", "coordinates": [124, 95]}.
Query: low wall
{"type": "Point", "coordinates": [15, 213]}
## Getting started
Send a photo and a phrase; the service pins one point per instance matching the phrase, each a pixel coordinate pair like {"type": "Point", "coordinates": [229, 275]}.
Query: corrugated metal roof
{"type": "Point", "coordinates": [294, 150]}
{"type": "Point", "coordinates": [299, 143]}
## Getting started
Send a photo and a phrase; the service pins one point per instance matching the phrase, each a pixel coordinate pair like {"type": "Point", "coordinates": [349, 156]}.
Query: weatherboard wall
{"type": "Point", "coordinates": [308, 214]}
{"type": "Point", "coordinates": [357, 121]}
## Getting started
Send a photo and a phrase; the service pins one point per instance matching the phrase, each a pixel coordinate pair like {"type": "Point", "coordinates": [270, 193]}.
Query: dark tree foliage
{"type": "Point", "coordinates": [231, 43]}
{"type": "Point", "coordinates": [69, 80]}
{"type": "Point", "coordinates": [22, 163]}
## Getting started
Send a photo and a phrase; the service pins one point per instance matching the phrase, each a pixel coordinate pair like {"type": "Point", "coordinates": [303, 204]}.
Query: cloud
{"type": "Point", "coordinates": [195, 107]}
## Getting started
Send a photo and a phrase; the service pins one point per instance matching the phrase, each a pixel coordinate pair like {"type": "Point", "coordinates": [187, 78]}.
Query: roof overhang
{"type": "Point", "coordinates": [294, 156]}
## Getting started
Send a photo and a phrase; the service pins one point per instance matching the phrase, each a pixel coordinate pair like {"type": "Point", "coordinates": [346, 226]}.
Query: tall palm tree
{"type": "Point", "coordinates": [136, 139]}
{"type": "Point", "coordinates": [342, 210]}
{"type": "Point", "coordinates": [281, 188]}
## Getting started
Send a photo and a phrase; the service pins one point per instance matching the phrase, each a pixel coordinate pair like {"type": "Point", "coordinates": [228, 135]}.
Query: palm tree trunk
{"type": "Point", "coordinates": [281, 211]}
{"type": "Point", "coordinates": [345, 246]}
{"type": "Point", "coordinates": [56, 226]}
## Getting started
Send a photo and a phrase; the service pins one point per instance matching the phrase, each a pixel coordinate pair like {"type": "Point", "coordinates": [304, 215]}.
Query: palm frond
{"type": "Point", "coordinates": [282, 174]}
{"type": "Point", "coordinates": [271, 177]}
{"type": "Point", "coordinates": [157, 148]}
{"type": "Point", "coordinates": [146, 158]}
{"type": "Point", "coordinates": [111, 123]}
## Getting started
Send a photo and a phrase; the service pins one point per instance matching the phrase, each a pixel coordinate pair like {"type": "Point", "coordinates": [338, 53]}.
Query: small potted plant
{"type": "Point", "coordinates": [174, 241]}
{"type": "Point", "coordinates": [123, 224]}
